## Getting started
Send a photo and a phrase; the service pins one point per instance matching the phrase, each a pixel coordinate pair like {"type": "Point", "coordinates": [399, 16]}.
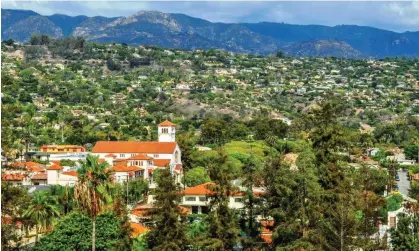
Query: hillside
{"type": "Point", "coordinates": [182, 31]}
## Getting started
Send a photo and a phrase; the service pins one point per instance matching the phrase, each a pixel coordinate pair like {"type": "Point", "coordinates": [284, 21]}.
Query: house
{"type": "Point", "coordinates": [62, 149]}
{"type": "Point", "coordinates": [40, 179]}
{"type": "Point", "coordinates": [15, 179]}
{"type": "Point", "coordinates": [401, 160]}
{"type": "Point", "coordinates": [373, 151]}
{"type": "Point", "coordinates": [141, 158]}
{"type": "Point", "coordinates": [196, 198]}
{"type": "Point", "coordinates": [56, 175]}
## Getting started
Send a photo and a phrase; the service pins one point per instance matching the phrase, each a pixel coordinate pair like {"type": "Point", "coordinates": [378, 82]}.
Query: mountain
{"type": "Point", "coordinates": [322, 48]}
{"type": "Point", "coordinates": [182, 31]}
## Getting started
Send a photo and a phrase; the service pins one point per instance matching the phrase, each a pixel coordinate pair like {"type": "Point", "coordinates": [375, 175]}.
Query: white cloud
{"type": "Point", "coordinates": [404, 13]}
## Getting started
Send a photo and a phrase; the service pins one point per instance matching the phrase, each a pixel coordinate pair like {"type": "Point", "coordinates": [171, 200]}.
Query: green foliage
{"type": "Point", "coordinates": [169, 230]}
{"type": "Point", "coordinates": [67, 162]}
{"type": "Point", "coordinates": [222, 223]}
{"type": "Point", "coordinates": [406, 235]}
{"type": "Point", "coordinates": [196, 176]}
{"type": "Point", "coordinates": [412, 152]}
{"type": "Point", "coordinates": [394, 202]}
{"type": "Point", "coordinates": [73, 232]}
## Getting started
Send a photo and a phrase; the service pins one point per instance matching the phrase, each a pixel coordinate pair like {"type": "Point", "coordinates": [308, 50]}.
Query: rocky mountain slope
{"type": "Point", "coordinates": [182, 31]}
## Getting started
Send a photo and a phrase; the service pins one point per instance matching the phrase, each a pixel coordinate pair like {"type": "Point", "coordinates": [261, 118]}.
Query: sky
{"type": "Point", "coordinates": [395, 16]}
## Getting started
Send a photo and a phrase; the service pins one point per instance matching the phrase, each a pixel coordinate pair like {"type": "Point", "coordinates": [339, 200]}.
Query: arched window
{"type": "Point", "coordinates": [176, 156]}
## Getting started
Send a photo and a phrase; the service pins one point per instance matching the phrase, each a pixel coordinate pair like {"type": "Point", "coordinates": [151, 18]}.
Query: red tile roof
{"type": "Point", "coordinates": [166, 123]}
{"type": "Point", "coordinates": [111, 155]}
{"type": "Point", "coordinates": [140, 157]}
{"type": "Point", "coordinates": [35, 169]}
{"type": "Point", "coordinates": [12, 177]}
{"type": "Point", "coordinates": [40, 176]}
{"type": "Point", "coordinates": [133, 147]}
{"type": "Point", "coordinates": [71, 173]}
{"type": "Point", "coordinates": [29, 164]}
{"type": "Point", "coordinates": [123, 168]}
{"type": "Point", "coordinates": [55, 167]}
{"type": "Point", "coordinates": [138, 229]}
{"type": "Point", "coordinates": [202, 189]}
{"type": "Point", "coordinates": [161, 162]}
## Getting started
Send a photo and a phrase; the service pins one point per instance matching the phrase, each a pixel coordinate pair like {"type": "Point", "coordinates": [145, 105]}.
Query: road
{"type": "Point", "coordinates": [404, 183]}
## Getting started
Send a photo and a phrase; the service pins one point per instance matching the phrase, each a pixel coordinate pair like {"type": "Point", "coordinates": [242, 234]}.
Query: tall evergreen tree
{"type": "Point", "coordinates": [290, 200]}
{"type": "Point", "coordinates": [222, 224]}
{"type": "Point", "coordinates": [169, 230]}
{"type": "Point", "coordinates": [252, 206]}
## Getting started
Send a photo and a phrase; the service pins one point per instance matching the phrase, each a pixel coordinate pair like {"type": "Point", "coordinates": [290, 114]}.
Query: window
{"type": "Point", "coordinates": [133, 154]}
{"type": "Point", "coordinates": [122, 155]}
{"type": "Point", "coordinates": [165, 130]}
{"type": "Point", "coordinates": [155, 155]}
{"type": "Point", "coordinates": [177, 157]}
{"type": "Point", "coordinates": [202, 199]}
{"type": "Point", "coordinates": [393, 222]}
{"type": "Point", "coordinates": [190, 198]}
{"type": "Point", "coordinates": [238, 199]}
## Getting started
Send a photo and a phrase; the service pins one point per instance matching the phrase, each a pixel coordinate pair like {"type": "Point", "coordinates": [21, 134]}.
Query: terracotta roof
{"type": "Point", "coordinates": [133, 147]}
{"type": "Point", "coordinates": [202, 189]}
{"type": "Point", "coordinates": [40, 176]}
{"type": "Point", "coordinates": [166, 123]}
{"type": "Point", "coordinates": [266, 233]}
{"type": "Point", "coordinates": [35, 169]}
{"type": "Point", "coordinates": [123, 168]}
{"type": "Point", "coordinates": [161, 162]}
{"type": "Point", "coordinates": [71, 173]}
{"type": "Point", "coordinates": [138, 229]}
{"type": "Point", "coordinates": [140, 157]}
{"type": "Point", "coordinates": [29, 164]}
{"type": "Point", "coordinates": [111, 155]}
{"type": "Point", "coordinates": [12, 177]}
{"type": "Point", "coordinates": [55, 167]}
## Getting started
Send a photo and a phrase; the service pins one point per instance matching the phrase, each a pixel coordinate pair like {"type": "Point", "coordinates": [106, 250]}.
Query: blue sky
{"type": "Point", "coordinates": [396, 16]}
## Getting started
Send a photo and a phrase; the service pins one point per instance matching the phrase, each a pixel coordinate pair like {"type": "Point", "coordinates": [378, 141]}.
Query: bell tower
{"type": "Point", "coordinates": [167, 131]}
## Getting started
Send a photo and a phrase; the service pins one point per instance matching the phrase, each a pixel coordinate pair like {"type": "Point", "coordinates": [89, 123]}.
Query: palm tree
{"type": "Point", "coordinates": [93, 189]}
{"type": "Point", "coordinates": [43, 210]}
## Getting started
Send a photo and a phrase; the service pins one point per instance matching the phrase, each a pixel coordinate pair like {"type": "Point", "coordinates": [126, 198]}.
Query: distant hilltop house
{"type": "Point", "coordinates": [401, 160]}
{"type": "Point", "coordinates": [139, 159]}
{"type": "Point", "coordinates": [62, 149]}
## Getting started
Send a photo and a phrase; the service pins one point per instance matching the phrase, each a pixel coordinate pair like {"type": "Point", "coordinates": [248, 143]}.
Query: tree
{"type": "Point", "coordinates": [222, 225]}
{"type": "Point", "coordinates": [339, 228]}
{"type": "Point", "coordinates": [328, 138]}
{"type": "Point", "coordinates": [187, 144]}
{"type": "Point", "coordinates": [64, 196]}
{"type": "Point", "coordinates": [43, 210]}
{"type": "Point", "coordinates": [252, 205]}
{"type": "Point", "coordinates": [291, 200]}
{"type": "Point", "coordinates": [213, 130]}
{"type": "Point", "coordinates": [169, 230]}
{"type": "Point", "coordinates": [72, 233]}
{"type": "Point", "coordinates": [14, 201]}
{"type": "Point", "coordinates": [93, 189]}
{"type": "Point", "coordinates": [196, 176]}
{"type": "Point", "coordinates": [412, 152]}
{"type": "Point", "coordinates": [406, 235]}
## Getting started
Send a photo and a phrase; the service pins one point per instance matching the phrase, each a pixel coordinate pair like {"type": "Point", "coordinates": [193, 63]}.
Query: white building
{"type": "Point", "coordinates": [196, 198]}
{"type": "Point", "coordinates": [145, 156]}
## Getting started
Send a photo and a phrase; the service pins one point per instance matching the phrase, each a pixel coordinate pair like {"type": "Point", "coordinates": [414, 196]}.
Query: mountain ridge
{"type": "Point", "coordinates": [177, 30]}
